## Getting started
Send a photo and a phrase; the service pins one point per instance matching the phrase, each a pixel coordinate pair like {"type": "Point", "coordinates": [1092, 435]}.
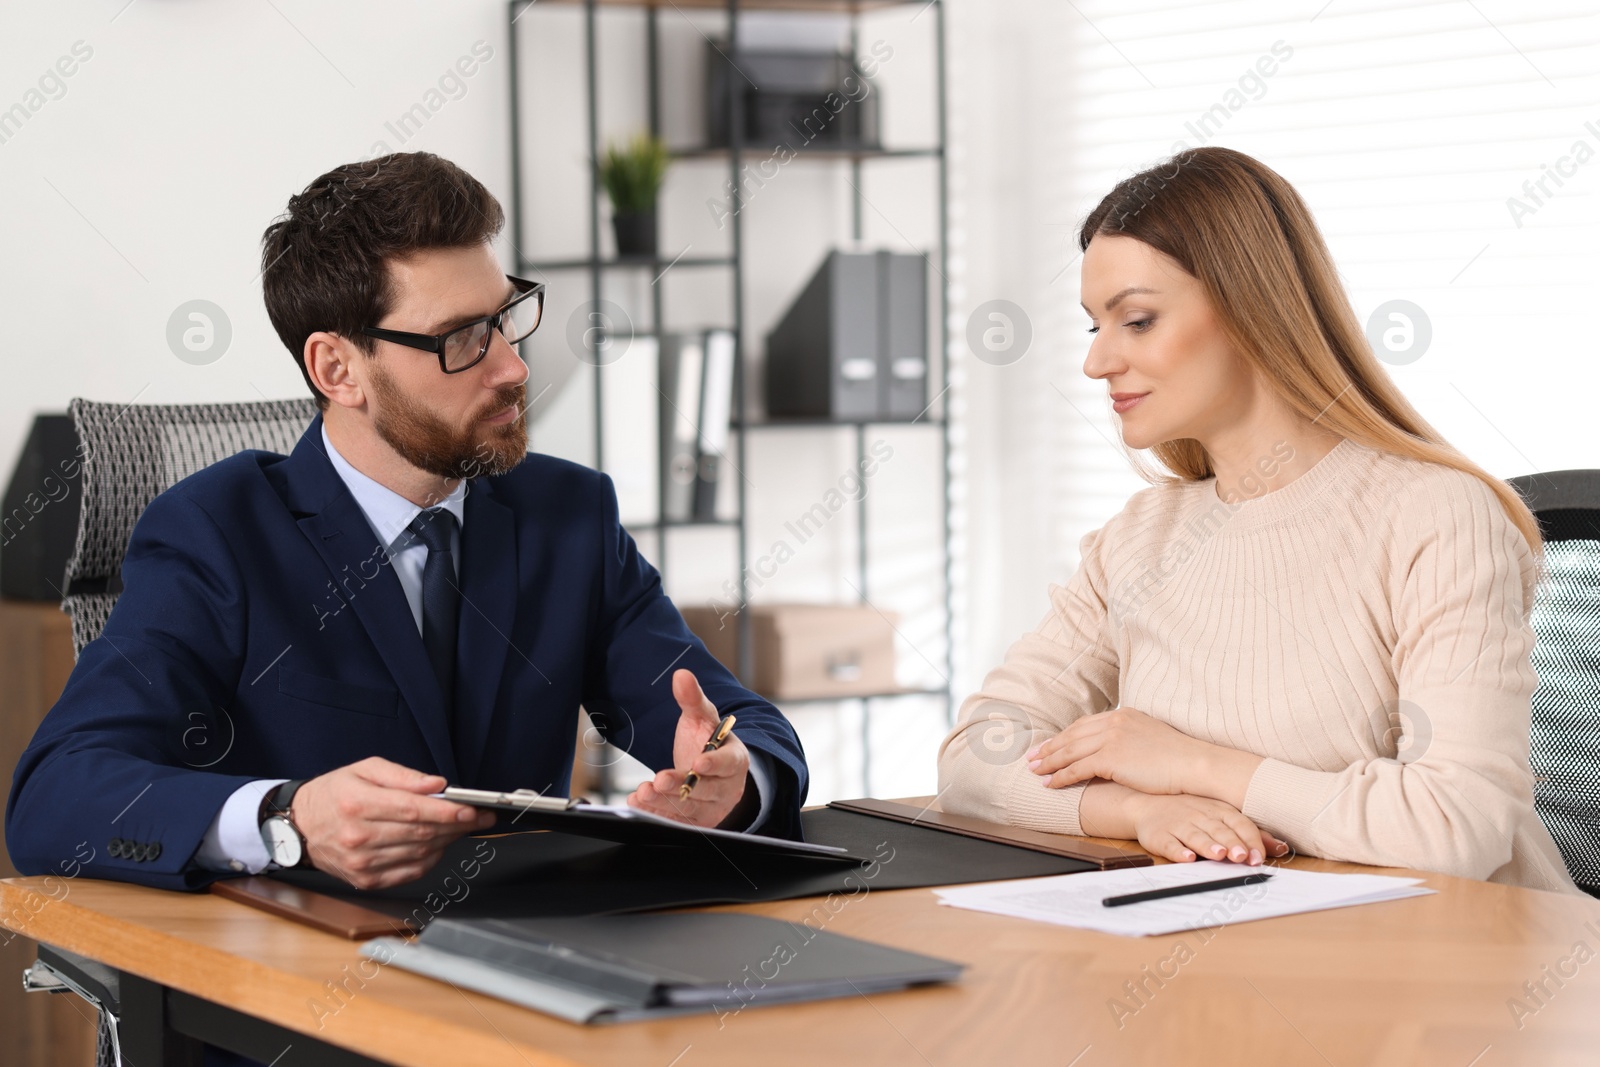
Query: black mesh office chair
{"type": "Point", "coordinates": [131, 454]}
{"type": "Point", "coordinates": [134, 452]}
{"type": "Point", "coordinates": [1565, 738]}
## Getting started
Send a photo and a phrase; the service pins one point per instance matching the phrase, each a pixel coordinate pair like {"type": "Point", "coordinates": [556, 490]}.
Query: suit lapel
{"type": "Point", "coordinates": [488, 607]}
{"type": "Point", "coordinates": [333, 524]}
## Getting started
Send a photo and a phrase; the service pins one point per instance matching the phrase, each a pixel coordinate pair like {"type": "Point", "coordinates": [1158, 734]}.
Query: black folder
{"type": "Point", "coordinates": [554, 874]}
{"type": "Point", "coordinates": [622, 967]}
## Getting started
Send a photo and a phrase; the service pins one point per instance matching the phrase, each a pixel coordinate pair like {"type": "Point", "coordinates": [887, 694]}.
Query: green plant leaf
{"type": "Point", "coordinates": [632, 173]}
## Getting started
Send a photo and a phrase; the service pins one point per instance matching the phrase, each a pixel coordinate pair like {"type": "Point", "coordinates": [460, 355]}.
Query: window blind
{"type": "Point", "coordinates": [1450, 151]}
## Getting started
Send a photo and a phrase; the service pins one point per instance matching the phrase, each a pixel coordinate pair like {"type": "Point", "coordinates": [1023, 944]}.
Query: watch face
{"type": "Point", "coordinates": [282, 841]}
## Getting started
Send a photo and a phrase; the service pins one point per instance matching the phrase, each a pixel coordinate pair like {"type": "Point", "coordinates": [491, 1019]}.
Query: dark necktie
{"type": "Point", "coordinates": [441, 597]}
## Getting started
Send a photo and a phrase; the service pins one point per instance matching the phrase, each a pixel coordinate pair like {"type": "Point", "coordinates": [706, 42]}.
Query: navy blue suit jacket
{"type": "Point", "coordinates": [261, 633]}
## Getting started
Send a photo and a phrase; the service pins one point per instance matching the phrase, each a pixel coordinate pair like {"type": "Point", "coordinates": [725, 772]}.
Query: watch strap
{"type": "Point", "coordinates": [278, 800]}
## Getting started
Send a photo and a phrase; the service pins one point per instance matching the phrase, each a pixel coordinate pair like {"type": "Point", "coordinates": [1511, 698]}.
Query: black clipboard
{"type": "Point", "coordinates": [632, 826]}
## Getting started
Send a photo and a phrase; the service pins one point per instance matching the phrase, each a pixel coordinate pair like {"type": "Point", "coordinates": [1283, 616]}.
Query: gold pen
{"type": "Point", "coordinates": [718, 738]}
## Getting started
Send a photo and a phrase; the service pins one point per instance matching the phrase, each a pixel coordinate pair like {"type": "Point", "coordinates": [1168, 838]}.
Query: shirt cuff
{"type": "Point", "coordinates": [233, 841]}
{"type": "Point", "coordinates": [761, 774]}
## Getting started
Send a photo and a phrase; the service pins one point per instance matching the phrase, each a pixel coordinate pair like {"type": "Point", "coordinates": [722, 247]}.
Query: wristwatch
{"type": "Point", "coordinates": [285, 843]}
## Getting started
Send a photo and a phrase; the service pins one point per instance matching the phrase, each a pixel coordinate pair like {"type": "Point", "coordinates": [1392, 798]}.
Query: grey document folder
{"type": "Point", "coordinates": [853, 345]}
{"type": "Point", "coordinates": [902, 336]}
{"type": "Point", "coordinates": [619, 967]}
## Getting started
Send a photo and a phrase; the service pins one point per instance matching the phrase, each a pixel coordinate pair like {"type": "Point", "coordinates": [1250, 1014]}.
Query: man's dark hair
{"type": "Point", "coordinates": [323, 264]}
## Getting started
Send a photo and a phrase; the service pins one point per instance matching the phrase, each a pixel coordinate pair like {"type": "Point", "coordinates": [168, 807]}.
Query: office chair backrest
{"type": "Point", "coordinates": [1565, 737]}
{"type": "Point", "coordinates": [134, 452]}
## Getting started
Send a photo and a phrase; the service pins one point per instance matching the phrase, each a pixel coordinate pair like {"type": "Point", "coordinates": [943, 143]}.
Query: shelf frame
{"type": "Point", "coordinates": [597, 267]}
{"type": "Point", "coordinates": [834, 7]}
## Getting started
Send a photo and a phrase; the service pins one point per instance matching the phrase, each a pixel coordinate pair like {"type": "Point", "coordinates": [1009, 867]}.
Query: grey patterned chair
{"type": "Point", "coordinates": [1565, 736]}
{"type": "Point", "coordinates": [130, 454]}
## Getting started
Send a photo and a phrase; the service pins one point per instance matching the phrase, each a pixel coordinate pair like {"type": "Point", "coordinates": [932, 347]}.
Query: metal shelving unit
{"type": "Point", "coordinates": [735, 263]}
{"type": "Point", "coordinates": [635, 262]}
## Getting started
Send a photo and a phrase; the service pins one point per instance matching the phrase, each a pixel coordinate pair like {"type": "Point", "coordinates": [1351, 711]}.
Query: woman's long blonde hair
{"type": "Point", "coordinates": [1238, 227]}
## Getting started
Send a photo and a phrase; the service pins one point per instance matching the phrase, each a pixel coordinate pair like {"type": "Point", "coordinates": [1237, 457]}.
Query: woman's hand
{"type": "Point", "coordinates": [1124, 745]}
{"type": "Point", "coordinates": [1184, 828]}
{"type": "Point", "coordinates": [1133, 749]}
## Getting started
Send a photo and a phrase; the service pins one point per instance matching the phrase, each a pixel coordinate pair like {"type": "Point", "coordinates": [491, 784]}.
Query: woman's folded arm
{"type": "Point", "coordinates": [1064, 669]}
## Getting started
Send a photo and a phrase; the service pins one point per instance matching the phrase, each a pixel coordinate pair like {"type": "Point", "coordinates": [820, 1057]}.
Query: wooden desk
{"type": "Point", "coordinates": [35, 659]}
{"type": "Point", "coordinates": [1424, 981]}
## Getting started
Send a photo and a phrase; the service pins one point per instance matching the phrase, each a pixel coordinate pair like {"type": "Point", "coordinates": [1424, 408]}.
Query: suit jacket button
{"type": "Point", "coordinates": [115, 847]}
{"type": "Point", "coordinates": [155, 850]}
{"type": "Point", "coordinates": [138, 852]}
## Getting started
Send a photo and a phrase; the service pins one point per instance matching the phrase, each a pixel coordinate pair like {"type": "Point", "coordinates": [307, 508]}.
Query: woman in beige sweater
{"type": "Point", "coordinates": [1314, 632]}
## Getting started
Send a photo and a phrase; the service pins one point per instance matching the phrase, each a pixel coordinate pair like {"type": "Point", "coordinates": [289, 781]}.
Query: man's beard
{"type": "Point", "coordinates": [429, 443]}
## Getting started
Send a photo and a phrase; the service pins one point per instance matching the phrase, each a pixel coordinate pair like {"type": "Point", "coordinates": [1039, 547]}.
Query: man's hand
{"type": "Point", "coordinates": [1136, 750]}
{"type": "Point", "coordinates": [723, 773]}
{"type": "Point", "coordinates": [374, 825]}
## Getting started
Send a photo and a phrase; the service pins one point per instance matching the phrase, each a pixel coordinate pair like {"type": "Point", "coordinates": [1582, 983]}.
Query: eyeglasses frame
{"type": "Point", "coordinates": [435, 342]}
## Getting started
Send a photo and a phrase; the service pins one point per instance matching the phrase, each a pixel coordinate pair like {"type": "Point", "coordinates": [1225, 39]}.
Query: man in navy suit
{"type": "Point", "coordinates": [308, 646]}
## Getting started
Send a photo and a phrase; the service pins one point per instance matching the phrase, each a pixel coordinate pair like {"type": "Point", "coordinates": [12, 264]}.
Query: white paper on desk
{"type": "Point", "coordinates": [1076, 899]}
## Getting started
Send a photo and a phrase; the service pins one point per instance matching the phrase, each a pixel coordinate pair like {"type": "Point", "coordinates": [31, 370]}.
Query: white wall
{"type": "Point", "coordinates": [150, 181]}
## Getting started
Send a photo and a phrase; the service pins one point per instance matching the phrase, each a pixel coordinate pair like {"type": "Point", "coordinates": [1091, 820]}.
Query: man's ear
{"type": "Point", "coordinates": [331, 363]}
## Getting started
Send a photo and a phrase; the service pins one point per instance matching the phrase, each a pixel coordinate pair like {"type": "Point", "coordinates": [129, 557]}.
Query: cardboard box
{"type": "Point", "coordinates": [804, 651]}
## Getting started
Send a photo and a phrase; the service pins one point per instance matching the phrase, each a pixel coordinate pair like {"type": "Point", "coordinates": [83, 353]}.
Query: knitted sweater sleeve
{"type": "Point", "coordinates": [1452, 783]}
{"type": "Point", "coordinates": [1065, 668]}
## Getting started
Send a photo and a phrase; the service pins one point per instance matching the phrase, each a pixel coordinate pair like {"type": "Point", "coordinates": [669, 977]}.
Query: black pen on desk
{"type": "Point", "coordinates": [718, 737]}
{"type": "Point", "coordinates": [1185, 890]}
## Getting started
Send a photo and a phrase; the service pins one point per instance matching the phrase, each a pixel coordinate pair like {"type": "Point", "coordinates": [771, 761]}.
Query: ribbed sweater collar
{"type": "Point", "coordinates": [1315, 492]}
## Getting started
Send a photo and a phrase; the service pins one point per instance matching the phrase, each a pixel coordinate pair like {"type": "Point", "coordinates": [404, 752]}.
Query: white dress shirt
{"type": "Point", "coordinates": [233, 841]}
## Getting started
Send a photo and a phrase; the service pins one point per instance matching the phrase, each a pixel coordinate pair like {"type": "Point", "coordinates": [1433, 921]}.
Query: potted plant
{"type": "Point", "coordinates": [632, 176]}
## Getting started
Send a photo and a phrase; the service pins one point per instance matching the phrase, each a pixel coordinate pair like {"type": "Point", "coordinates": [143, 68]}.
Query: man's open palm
{"type": "Point", "coordinates": [723, 773]}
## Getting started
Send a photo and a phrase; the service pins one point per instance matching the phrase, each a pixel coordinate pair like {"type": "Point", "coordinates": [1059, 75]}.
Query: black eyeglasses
{"type": "Point", "coordinates": [467, 344]}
